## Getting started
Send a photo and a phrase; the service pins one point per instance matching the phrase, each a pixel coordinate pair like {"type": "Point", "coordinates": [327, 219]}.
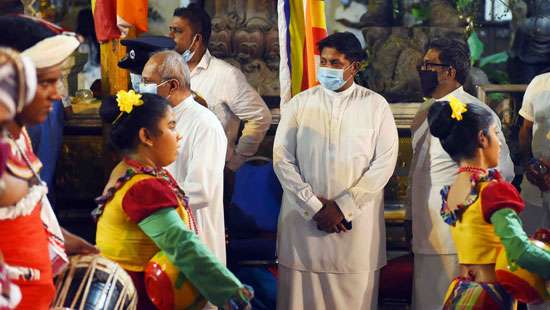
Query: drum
{"type": "Point", "coordinates": [525, 286]}
{"type": "Point", "coordinates": [168, 288]}
{"type": "Point", "coordinates": [94, 282]}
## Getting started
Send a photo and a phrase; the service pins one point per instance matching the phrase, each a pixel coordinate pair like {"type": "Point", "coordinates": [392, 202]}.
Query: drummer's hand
{"type": "Point", "coordinates": [76, 245]}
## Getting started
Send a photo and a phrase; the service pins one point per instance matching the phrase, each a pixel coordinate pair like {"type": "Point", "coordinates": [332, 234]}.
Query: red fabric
{"type": "Point", "coordinates": [518, 287]}
{"type": "Point", "coordinates": [396, 278]}
{"type": "Point", "coordinates": [105, 20]}
{"type": "Point", "coordinates": [144, 303]}
{"type": "Point", "coordinates": [497, 196]}
{"type": "Point", "coordinates": [24, 243]}
{"type": "Point", "coordinates": [147, 197]}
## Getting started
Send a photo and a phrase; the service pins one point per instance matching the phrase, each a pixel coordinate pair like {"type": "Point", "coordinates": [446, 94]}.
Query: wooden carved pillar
{"type": "Point", "coordinates": [244, 33]}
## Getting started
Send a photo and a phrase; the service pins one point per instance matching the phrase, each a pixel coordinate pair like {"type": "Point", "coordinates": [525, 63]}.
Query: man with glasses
{"type": "Point", "coordinates": [201, 158]}
{"type": "Point", "coordinates": [445, 67]}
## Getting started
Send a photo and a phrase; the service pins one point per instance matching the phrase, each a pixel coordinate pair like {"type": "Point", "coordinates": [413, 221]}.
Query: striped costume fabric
{"type": "Point", "coordinates": [465, 294]}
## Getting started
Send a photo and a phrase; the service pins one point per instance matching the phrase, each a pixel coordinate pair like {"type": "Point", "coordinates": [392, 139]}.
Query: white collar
{"type": "Point", "coordinates": [184, 105]}
{"type": "Point", "coordinates": [340, 94]}
{"type": "Point", "coordinates": [457, 92]}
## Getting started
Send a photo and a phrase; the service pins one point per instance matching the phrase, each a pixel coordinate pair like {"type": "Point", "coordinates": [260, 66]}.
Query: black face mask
{"type": "Point", "coordinates": [428, 82]}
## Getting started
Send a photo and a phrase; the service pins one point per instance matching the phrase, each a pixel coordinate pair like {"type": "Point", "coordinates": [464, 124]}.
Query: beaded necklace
{"type": "Point", "coordinates": [136, 168]}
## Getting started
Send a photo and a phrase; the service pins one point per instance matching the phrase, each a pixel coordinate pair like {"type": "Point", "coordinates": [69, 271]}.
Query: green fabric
{"type": "Point", "coordinates": [519, 250]}
{"type": "Point", "coordinates": [215, 282]}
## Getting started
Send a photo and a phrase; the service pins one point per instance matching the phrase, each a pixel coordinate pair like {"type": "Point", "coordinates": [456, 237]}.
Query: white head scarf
{"type": "Point", "coordinates": [52, 51]}
{"type": "Point", "coordinates": [17, 80]}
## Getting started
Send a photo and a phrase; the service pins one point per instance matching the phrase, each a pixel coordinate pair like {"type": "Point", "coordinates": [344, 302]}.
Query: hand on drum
{"type": "Point", "coordinates": [76, 245]}
{"type": "Point", "coordinates": [329, 218]}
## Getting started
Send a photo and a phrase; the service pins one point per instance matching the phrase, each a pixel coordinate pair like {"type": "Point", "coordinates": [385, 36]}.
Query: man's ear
{"type": "Point", "coordinates": [174, 85]}
{"type": "Point", "coordinates": [452, 73]}
{"type": "Point", "coordinates": [145, 137]}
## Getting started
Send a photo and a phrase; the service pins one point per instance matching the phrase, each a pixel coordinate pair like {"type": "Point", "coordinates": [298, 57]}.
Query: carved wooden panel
{"type": "Point", "coordinates": [245, 34]}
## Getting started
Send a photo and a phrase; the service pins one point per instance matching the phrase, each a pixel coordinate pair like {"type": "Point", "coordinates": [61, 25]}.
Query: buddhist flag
{"type": "Point", "coordinates": [301, 25]}
{"type": "Point", "coordinates": [114, 18]}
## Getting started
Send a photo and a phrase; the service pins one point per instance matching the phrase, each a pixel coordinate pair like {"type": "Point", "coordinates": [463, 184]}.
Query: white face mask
{"type": "Point", "coordinates": [136, 80]}
{"type": "Point", "coordinates": [187, 55]}
{"type": "Point", "coordinates": [150, 88]}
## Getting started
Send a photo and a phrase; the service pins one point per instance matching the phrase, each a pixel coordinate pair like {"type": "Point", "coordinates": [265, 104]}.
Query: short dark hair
{"type": "Point", "coordinates": [453, 52]}
{"type": "Point", "coordinates": [21, 33]}
{"type": "Point", "coordinates": [345, 43]}
{"type": "Point", "coordinates": [459, 138]}
{"type": "Point", "coordinates": [125, 131]}
{"type": "Point", "coordinates": [198, 18]}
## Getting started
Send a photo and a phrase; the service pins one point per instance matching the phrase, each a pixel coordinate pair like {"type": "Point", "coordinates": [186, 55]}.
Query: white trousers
{"type": "Point", "coordinates": [298, 290]}
{"type": "Point", "coordinates": [432, 276]}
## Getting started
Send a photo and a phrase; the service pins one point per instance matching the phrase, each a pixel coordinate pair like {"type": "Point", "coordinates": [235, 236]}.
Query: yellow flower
{"type": "Point", "coordinates": [127, 100]}
{"type": "Point", "coordinates": [457, 108]}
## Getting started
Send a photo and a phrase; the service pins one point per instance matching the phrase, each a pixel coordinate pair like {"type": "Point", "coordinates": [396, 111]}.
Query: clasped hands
{"type": "Point", "coordinates": [329, 218]}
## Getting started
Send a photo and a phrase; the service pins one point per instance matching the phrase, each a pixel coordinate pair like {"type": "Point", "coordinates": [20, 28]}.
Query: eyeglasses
{"type": "Point", "coordinates": [430, 65]}
{"type": "Point", "coordinates": [175, 30]}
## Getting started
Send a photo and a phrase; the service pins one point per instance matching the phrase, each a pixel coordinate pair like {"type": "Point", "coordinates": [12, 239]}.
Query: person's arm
{"type": "Point", "coordinates": [285, 163]}
{"type": "Point", "coordinates": [208, 156]}
{"type": "Point", "coordinates": [379, 172]}
{"type": "Point", "coordinates": [182, 247]}
{"type": "Point", "coordinates": [500, 206]}
{"type": "Point", "coordinates": [526, 111]}
{"type": "Point", "coordinates": [150, 203]}
{"type": "Point", "coordinates": [249, 107]}
{"type": "Point", "coordinates": [525, 136]}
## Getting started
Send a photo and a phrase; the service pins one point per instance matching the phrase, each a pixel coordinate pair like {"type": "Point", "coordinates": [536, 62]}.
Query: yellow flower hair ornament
{"type": "Point", "coordinates": [126, 101]}
{"type": "Point", "coordinates": [457, 108]}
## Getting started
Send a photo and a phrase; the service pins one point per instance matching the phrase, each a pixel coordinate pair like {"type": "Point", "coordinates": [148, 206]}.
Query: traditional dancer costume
{"type": "Point", "coordinates": [145, 212]}
{"type": "Point", "coordinates": [486, 223]}
{"type": "Point", "coordinates": [31, 238]}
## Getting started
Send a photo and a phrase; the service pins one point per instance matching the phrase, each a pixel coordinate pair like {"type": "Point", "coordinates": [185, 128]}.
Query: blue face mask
{"type": "Point", "coordinates": [331, 78]}
{"type": "Point", "coordinates": [136, 80]}
{"type": "Point", "coordinates": [187, 55]}
{"type": "Point", "coordinates": [149, 88]}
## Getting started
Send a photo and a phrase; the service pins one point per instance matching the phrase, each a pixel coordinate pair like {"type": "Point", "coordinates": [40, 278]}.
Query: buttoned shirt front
{"type": "Point", "coordinates": [340, 146]}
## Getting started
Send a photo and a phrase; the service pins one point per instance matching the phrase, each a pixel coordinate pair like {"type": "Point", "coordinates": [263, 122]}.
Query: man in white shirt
{"type": "Point", "coordinates": [444, 70]}
{"type": "Point", "coordinates": [334, 151]}
{"type": "Point", "coordinates": [535, 111]}
{"type": "Point", "coordinates": [199, 166]}
{"type": "Point", "coordinates": [223, 86]}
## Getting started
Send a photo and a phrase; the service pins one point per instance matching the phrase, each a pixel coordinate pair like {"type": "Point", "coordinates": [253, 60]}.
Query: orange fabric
{"type": "Point", "coordinates": [133, 12]}
{"type": "Point", "coordinates": [24, 243]}
{"type": "Point", "coordinates": [475, 238]}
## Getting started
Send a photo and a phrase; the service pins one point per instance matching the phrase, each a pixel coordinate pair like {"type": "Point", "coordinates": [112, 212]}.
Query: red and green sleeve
{"type": "Point", "coordinates": [501, 204]}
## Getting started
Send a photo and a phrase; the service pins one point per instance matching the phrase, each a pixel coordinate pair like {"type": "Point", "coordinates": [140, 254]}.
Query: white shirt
{"type": "Point", "coordinates": [536, 108]}
{"type": "Point", "coordinates": [199, 170]}
{"type": "Point", "coordinates": [232, 99]}
{"type": "Point", "coordinates": [431, 169]}
{"type": "Point", "coordinates": [341, 146]}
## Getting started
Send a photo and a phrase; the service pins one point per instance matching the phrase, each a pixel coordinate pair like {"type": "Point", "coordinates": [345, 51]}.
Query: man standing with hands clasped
{"type": "Point", "coordinates": [334, 151]}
